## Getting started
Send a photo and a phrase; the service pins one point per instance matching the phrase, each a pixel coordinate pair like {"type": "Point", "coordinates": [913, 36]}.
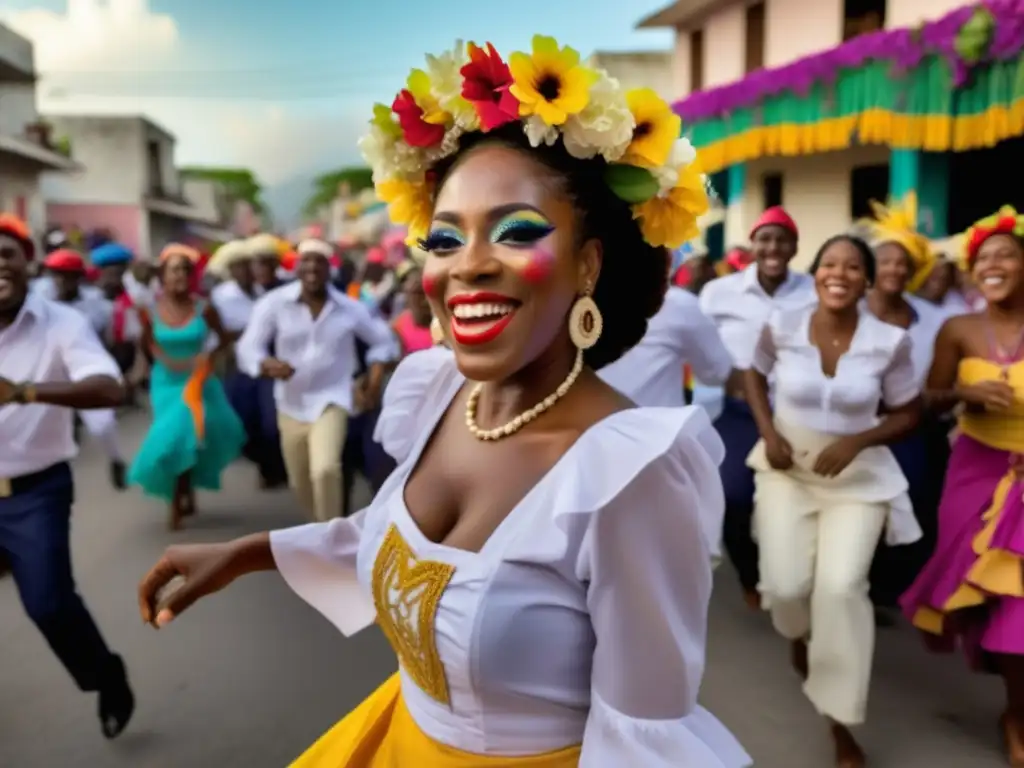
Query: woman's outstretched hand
{"type": "Point", "coordinates": [200, 569]}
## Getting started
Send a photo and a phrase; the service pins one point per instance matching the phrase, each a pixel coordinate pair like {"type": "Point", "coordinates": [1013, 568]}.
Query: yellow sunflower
{"type": "Point", "coordinates": [409, 203]}
{"type": "Point", "coordinates": [670, 220]}
{"type": "Point", "coordinates": [657, 128]}
{"type": "Point", "coordinates": [550, 83]}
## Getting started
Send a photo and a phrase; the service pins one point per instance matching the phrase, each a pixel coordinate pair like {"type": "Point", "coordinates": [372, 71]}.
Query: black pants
{"type": "Point", "coordinates": [923, 457]}
{"type": "Point", "coordinates": [362, 454]}
{"type": "Point", "coordinates": [738, 431]}
{"type": "Point", "coordinates": [35, 527]}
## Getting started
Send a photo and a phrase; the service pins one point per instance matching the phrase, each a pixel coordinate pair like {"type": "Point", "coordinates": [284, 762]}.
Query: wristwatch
{"type": "Point", "coordinates": [25, 393]}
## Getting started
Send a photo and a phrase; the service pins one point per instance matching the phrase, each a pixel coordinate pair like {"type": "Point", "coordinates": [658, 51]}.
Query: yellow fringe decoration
{"type": "Point", "coordinates": [929, 133]}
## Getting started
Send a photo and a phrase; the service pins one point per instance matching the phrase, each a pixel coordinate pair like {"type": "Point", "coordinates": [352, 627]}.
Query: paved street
{"type": "Point", "coordinates": [251, 677]}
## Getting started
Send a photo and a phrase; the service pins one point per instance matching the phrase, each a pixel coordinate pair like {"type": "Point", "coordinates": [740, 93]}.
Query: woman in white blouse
{"type": "Point", "coordinates": [536, 559]}
{"type": "Point", "coordinates": [826, 486]}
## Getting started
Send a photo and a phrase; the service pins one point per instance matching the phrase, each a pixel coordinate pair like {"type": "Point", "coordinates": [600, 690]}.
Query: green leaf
{"type": "Point", "coordinates": [631, 183]}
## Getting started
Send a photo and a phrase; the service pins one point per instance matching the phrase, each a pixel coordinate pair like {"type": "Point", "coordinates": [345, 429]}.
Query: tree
{"type": "Point", "coordinates": [238, 183]}
{"type": "Point", "coordinates": [325, 187]}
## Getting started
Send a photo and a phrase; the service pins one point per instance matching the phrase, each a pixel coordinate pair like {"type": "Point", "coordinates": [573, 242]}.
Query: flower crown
{"type": "Point", "coordinates": [897, 223]}
{"type": "Point", "coordinates": [1006, 222]}
{"type": "Point", "coordinates": [553, 96]}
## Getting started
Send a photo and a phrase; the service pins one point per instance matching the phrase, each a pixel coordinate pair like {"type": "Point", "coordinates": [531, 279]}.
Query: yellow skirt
{"type": "Point", "coordinates": [380, 733]}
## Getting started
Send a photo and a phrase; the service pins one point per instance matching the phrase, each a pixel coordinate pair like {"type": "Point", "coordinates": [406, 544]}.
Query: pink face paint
{"type": "Point", "coordinates": [537, 266]}
{"type": "Point", "coordinates": [429, 284]}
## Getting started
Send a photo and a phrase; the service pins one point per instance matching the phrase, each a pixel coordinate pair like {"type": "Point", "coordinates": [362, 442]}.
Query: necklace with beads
{"type": "Point", "coordinates": [525, 417]}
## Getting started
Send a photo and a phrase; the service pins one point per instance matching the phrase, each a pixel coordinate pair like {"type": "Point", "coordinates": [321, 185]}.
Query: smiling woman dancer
{"type": "Point", "coordinates": [826, 485]}
{"type": "Point", "coordinates": [971, 592]}
{"type": "Point", "coordinates": [543, 531]}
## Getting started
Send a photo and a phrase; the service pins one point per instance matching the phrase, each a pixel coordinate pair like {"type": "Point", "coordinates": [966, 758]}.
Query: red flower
{"type": "Point", "coordinates": [416, 131]}
{"type": "Point", "coordinates": [486, 86]}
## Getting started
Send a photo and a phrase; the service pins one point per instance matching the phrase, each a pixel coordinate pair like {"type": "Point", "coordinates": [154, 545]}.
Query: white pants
{"type": "Point", "coordinates": [815, 556]}
{"type": "Point", "coordinates": [102, 425]}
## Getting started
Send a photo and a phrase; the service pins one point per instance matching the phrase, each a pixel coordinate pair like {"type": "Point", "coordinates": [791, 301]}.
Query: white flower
{"type": "Point", "coordinates": [605, 127]}
{"type": "Point", "coordinates": [683, 153]}
{"type": "Point", "coordinates": [445, 73]}
{"type": "Point", "coordinates": [390, 157]}
{"type": "Point", "coordinates": [539, 132]}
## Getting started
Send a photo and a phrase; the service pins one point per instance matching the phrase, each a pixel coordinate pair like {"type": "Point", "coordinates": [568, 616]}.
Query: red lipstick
{"type": "Point", "coordinates": [471, 331]}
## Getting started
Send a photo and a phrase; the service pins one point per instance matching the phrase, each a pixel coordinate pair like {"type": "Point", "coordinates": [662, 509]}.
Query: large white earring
{"type": "Point", "coordinates": [436, 332]}
{"type": "Point", "coordinates": [585, 322]}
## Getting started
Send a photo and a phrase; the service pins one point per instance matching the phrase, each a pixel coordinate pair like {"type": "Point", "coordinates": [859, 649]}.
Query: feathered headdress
{"type": "Point", "coordinates": [553, 97]}
{"type": "Point", "coordinates": [897, 223]}
{"type": "Point", "coordinates": [1006, 222]}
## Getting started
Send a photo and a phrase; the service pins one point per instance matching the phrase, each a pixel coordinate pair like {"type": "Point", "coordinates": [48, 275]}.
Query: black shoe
{"type": "Point", "coordinates": [117, 702]}
{"type": "Point", "coordinates": [117, 475]}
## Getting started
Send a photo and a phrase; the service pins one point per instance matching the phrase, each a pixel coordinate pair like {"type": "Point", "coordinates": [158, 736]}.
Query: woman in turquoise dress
{"type": "Point", "coordinates": [195, 433]}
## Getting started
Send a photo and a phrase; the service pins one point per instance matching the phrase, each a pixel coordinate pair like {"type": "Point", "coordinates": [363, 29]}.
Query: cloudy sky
{"type": "Point", "coordinates": [282, 88]}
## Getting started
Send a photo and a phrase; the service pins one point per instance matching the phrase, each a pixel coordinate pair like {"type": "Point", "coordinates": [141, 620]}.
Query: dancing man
{"type": "Point", "coordinates": [51, 364]}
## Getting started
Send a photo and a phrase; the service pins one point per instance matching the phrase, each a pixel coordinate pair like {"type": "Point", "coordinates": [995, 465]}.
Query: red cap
{"type": "Point", "coordinates": [376, 256]}
{"type": "Point", "coordinates": [288, 260]}
{"type": "Point", "coordinates": [92, 274]}
{"type": "Point", "coordinates": [14, 227]}
{"type": "Point", "coordinates": [776, 216]}
{"type": "Point", "coordinates": [65, 260]}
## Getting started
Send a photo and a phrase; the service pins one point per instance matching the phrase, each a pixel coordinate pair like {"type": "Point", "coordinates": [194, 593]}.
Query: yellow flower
{"type": "Point", "coordinates": [551, 83]}
{"type": "Point", "coordinates": [419, 86]}
{"type": "Point", "coordinates": [670, 220]}
{"type": "Point", "coordinates": [409, 203]}
{"type": "Point", "coordinates": [657, 128]}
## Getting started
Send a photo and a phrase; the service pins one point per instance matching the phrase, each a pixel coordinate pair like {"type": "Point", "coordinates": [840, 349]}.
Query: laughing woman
{"type": "Point", "coordinates": [971, 593]}
{"type": "Point", "coordinates": [536, 559]}
{"type": "Point", "coordinates": [195, 433]}
{"type": "Point", "coordinates": [826, 485]}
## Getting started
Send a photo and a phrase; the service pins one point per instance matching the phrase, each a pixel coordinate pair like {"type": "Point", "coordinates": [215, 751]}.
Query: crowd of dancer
{"type": "Point", "coordinates": [546, 512]}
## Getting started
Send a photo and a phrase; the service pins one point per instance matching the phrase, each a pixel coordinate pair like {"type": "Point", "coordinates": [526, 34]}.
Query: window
{"type": "Point", "coordinates": [155, 168]}
{"type": "Point", "coordinates": [755, 38]}
{"type": "Point", "coordinates": [771, 188]}
{"type": "Point", "coordinates": [867, 183]}
{"type": "Point", "coordinates": [862, 16]}
{"type": "Point", "coordinates": [697, 60]}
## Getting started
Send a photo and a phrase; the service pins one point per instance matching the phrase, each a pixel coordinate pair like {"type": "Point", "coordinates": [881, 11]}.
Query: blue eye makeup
{"type": "Point", "coordinates": [521, 228]}
{"type": "Point", "coordinates": [442, 240]}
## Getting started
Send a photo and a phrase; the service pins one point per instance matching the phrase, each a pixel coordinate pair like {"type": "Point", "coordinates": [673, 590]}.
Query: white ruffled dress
{"type": "Point", "coordinates": [582, 620]}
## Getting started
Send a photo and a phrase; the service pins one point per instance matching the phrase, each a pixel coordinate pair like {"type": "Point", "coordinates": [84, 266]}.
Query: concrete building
{"type": "Point", "coordinates": [822, 105]}
{"type": "Point", "coordinates": [129, 184]}
{"type": "Point", "coordinates": [639, 69]}
{"type": "Point", "coordinates": [27, 149]}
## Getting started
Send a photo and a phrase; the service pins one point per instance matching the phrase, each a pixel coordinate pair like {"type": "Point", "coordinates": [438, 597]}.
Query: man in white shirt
{"type": "Point", "coordinates": [313, 329]}
{"type": "Point", "coordinates": [651, 373]}
{"type": "Point", "coordinates": [51, 364]}
{"type": "Point", "coordinates": [739, 305]}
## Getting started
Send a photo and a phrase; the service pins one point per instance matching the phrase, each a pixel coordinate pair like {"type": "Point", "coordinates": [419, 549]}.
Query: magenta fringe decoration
{"type": "Point", "coordinates": [905, 48]}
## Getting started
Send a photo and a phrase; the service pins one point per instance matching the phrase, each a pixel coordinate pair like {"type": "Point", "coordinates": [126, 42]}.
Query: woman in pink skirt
{"type": "Point", "coordinates": [971, 592]}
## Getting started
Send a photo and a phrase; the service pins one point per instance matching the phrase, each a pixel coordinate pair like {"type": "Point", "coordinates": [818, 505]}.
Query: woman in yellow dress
{"type": "Point", "coordinates": [971, 592]}
{"type": "Point", "coordinates": [536, 559]}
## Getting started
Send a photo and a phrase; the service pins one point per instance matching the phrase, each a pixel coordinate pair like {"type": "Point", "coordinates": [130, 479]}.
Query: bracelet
{"type": "Point", "coordinates": [25, 393]}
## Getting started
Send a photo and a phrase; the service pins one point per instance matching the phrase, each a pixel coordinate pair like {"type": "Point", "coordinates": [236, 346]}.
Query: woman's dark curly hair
{"type": "Point", "coordinates": [634, 275]}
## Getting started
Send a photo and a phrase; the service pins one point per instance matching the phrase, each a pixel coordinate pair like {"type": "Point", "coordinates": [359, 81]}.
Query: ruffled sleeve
{"type": "Point", "coordinates": [418, 380]}
{"type": "Point", "coordinates": [318, 562]}
{"type": "Point", "coordinates": [646, 559]}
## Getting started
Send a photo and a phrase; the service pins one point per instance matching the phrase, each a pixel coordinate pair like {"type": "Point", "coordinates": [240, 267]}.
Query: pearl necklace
{"type": "Point", "coordinates": [524, 418]}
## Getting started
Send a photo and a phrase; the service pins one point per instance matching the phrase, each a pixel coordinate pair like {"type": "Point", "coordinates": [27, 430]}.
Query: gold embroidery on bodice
{"type": "Point", "coordinates": [406, 593]}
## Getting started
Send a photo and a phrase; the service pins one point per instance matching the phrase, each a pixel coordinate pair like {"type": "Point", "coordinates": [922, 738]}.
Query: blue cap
{"type": "Point", "coordinates": [110, 253]}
